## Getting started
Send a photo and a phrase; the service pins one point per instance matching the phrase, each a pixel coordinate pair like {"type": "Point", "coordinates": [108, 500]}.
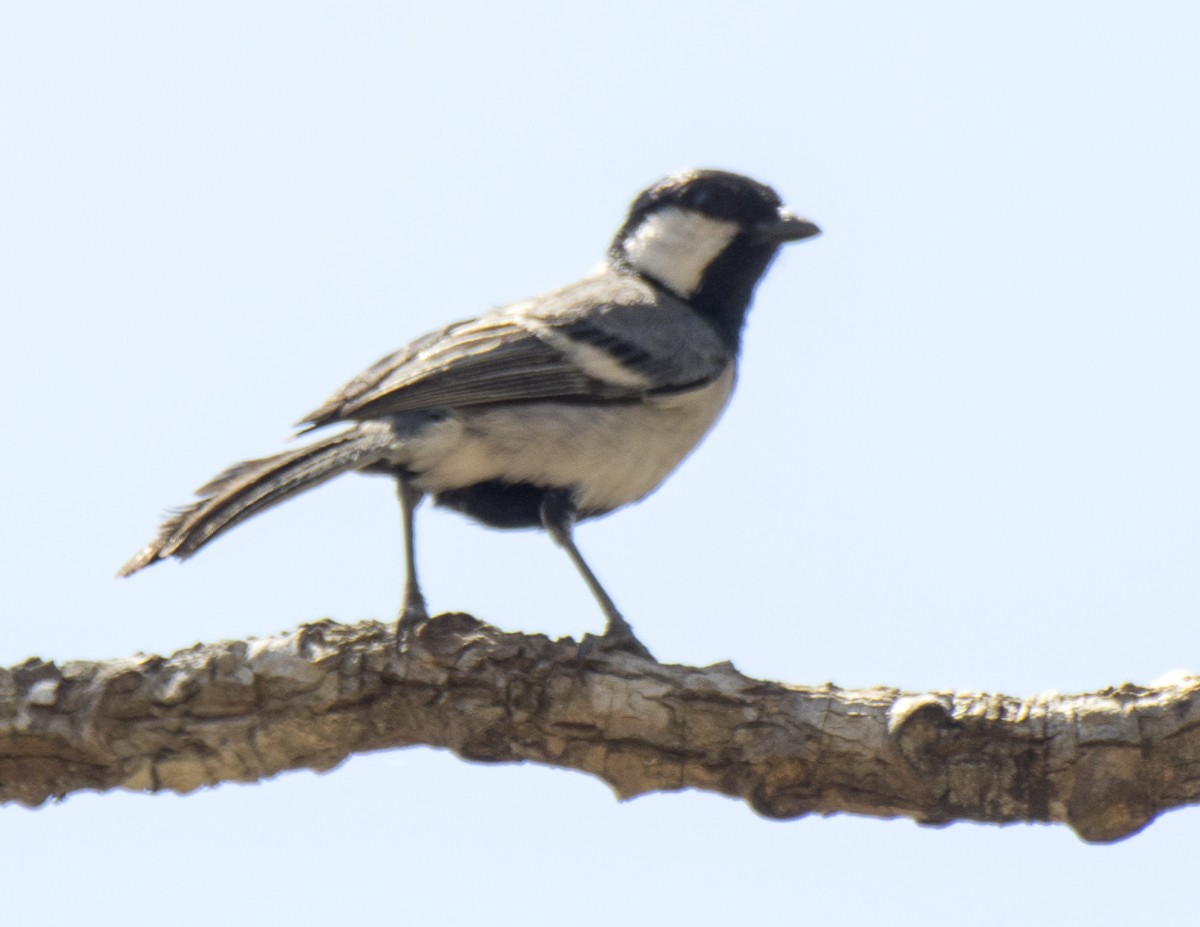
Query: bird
{"type": "Point", "coordinates": [546, 412]}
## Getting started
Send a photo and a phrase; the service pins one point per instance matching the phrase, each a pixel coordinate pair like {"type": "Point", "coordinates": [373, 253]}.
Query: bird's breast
{"type": "Point", "coordinates": [609, 454]}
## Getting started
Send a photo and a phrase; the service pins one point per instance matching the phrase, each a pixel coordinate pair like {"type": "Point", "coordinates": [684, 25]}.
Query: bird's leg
{"type": "Point", "coordinates": [412, 611]}
{"type": "Point", "coordinates": [558, 517]}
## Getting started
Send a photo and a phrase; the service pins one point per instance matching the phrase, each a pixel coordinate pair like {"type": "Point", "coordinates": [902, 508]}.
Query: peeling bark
{"type": "Point", "coordinates": [1105, 763]}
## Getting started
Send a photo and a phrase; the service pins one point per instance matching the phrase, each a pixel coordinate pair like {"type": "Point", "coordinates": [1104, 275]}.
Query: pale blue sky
{"type": "Point", "coordinates": [963, 452]}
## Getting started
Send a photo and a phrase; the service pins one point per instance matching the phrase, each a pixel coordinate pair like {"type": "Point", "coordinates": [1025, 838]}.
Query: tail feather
{"type": "Point", "coordinates": [248, 488]}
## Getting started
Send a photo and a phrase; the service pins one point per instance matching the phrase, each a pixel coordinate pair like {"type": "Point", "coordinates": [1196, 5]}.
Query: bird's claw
{"type": "Point", "coordinates": [413, 616]}
{"type": "Point", "coordinates": [597, 647]}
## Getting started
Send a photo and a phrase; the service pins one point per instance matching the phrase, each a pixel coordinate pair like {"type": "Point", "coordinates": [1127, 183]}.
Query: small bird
{"type": "Point", "coordinates": [546, 412]}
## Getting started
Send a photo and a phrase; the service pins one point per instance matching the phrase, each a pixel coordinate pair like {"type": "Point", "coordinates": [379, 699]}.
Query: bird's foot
{"type": "Point", "coordinates": [413, 617]}
{"type": "Point", "coordinates": [613, 641]}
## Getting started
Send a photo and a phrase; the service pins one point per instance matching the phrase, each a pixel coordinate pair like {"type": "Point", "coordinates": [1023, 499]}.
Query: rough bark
{"type": "Point", "coordinates": [1104, 763]}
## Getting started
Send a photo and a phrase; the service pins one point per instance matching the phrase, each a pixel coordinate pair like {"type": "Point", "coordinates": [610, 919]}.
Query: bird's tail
{"type": "Point", "coordinates": [248, 488]}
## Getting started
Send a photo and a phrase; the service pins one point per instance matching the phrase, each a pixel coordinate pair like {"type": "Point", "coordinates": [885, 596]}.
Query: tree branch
{"type": "Point", "coordinates": [1104, 763]}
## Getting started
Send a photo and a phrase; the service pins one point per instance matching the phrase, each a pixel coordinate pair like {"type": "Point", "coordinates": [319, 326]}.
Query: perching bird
{"type": "Point", "coordinates": [550, 411]}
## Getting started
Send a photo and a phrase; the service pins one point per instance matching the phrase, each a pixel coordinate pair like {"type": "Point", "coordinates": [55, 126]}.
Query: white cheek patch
{"type": "Point", "coordinates": [675, 247]}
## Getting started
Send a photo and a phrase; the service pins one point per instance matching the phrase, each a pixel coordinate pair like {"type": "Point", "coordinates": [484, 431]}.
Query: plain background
{"type": "Point", "coordinates": [963, 453]}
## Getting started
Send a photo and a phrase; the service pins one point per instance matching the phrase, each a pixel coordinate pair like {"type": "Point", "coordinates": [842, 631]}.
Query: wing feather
{"type": "Point", "coordinates": [558, 347]}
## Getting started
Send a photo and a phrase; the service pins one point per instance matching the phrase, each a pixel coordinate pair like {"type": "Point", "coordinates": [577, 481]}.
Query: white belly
{"type": "Point", "coordinates": [612, 455]}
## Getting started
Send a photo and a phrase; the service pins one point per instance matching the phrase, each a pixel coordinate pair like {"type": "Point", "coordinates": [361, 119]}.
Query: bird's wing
{"type": "Point", "coordinates": [601, 340]}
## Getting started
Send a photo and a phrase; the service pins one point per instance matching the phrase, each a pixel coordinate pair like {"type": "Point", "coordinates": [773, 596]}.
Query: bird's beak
{"type": "Point", "coordinates": [786, 227]}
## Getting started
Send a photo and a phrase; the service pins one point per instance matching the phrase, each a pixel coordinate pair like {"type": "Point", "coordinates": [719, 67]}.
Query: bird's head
{"type": "Point", "coordinates": [708, 237]}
